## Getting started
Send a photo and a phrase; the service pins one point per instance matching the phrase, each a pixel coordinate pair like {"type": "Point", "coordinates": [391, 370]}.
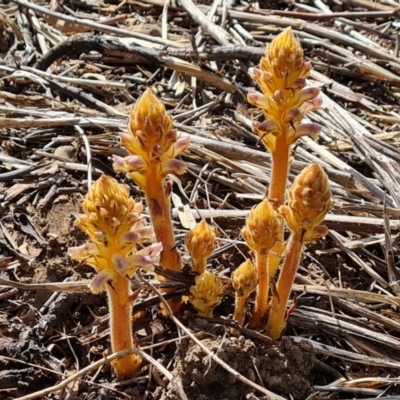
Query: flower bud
{"type": "Point", "coordinates": [267, 126]}
{"type": "Point", "coordinates": [129, 164]}
{"type": "Point", "coordinates": [299, 84]}
{"type": "Point", "coordinates": [309, 93]}
{"type": "Point", "coordinates": [206, 294]}
{"type": "Point", "coordinates": [200, 242]}
{"type": "Point", "coordinates": [82, 252]}
{"type": "Point", "coordinates": [310, 199]}
{"type": "Point", "coordinates": [258, 99]}
{"type": "Point", "coordinates": [173, 166]}
{"type": "Point", "coordinates": [265, 79]}
{"type": "Point", "coordinates": [285, 56]}
{"type": "Point", "coordinates": [300, 130]}
{"type": "Point", "coordinates": [137, 235]}
{"type": "Point", "coordinates": [180, 146]}
{"type": "Point", "coordinates": [245, 279]}
{"type": "Point", "coordinates": [311, 104]}
{"type": "Point", "coordinates": [294, 115]}
{"type": "Point", "coordinates": [100, 280]}
{"type": "Point", "coordinates": [263, 227]}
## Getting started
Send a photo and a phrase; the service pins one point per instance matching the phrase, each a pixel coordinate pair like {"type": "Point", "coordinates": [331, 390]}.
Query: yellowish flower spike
{"type": "Point", "coordinates": [262, 231]}
{"type": "Point", "coordinates": [206, 294]}
{"type": "Point", "coordinates": [153, 146]}
{"type": "Point", "coordinates": [310, 199]}
{"type": "Point", "coordinates": [115, 228]}
{"type": "Point", "coordinates": [200, 242]}
{"type": "Point", "coordinates": [285, 100]}
{"type": "Point", "coordinates": [244, 280]}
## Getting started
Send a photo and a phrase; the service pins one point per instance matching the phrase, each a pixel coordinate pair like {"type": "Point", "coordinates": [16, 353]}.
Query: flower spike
{"type": "Point", "coordinates": [114, 225]}
{"type": "Point", "coordinates": [153, 146]}
{"type": "Point", "coordinates": [282, 78]}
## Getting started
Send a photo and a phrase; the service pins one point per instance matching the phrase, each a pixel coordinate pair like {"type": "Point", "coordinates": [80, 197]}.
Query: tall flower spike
{"type": "Point", "coordinates": [153, 146]}
{"type": "Point", "coordinates": [282, 78]}
{"type": "Point", "coordinates": [114, 225]}
{"type": "Point", "coordinates": [310, 199]}
{"type": "Point", "coordinates": [262, 231]}
{"type": "Point", "coordinates": [285, 100]}
{"type": "Point", "coordinates": [200, 242]}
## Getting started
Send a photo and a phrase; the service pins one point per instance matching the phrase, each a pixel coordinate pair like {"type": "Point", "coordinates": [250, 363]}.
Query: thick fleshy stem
{"type": "Point", "coordinates": [276, 194]}
{"type": "Point", "coordinates": [261, 303]}
{"type": "Point", "coordinates": [121, 327]}
{"type": "Point", "coordinates": [160, 211]}
{"type": "Point", "coordinates": [277, 314]}
{"type": "Point", "coordinates": [279, 172]}
{"type": "Point", "coordinates": [309, 200]}
{"type": "Point", "coordinates": [267, 266]}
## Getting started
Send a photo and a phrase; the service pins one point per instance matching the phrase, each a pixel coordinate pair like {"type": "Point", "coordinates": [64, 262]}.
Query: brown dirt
{"type": "Point", "coordinates": [283, 368]}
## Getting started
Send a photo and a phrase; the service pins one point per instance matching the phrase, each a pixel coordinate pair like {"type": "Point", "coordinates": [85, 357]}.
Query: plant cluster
{"type": "Point", "coordinates": [118, 232]}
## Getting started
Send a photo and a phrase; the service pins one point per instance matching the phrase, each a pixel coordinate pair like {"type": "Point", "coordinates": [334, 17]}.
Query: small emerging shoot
{"type": "Point", "coordinates": [200, 242]}
{"type": "Point", "coordinates": [244, 280]}
{"type": "Point", "coordinates": [206, 294]}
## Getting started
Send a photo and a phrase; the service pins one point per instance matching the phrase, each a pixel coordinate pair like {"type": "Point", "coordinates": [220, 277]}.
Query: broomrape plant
{"type": "Point", "coordinates": [285, 100]}
{"type": "Point", "coordinates": [153, 146]}
{"type": "Point", "coordinates": [116, 230]}
{"type": "Point", "coordinates": [244, 281]}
